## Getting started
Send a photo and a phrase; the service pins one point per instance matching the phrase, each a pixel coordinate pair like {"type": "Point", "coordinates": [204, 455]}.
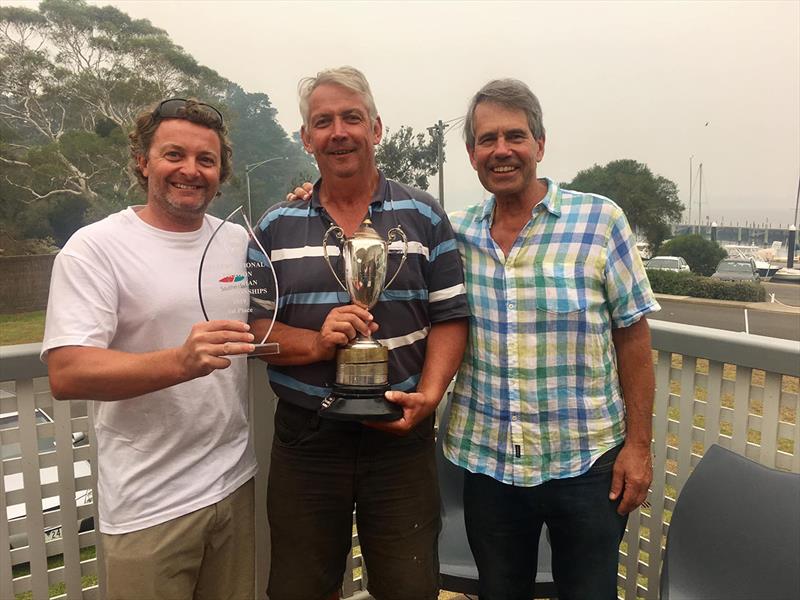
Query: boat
{"type": "Point", "coordinates": [787, 275]}
{"type": "Point", "coordinates": [761, 256]}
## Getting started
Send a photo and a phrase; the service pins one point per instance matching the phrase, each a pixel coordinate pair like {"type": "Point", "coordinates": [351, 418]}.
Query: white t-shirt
{"type": "Point", "coordinates": [125, 285]}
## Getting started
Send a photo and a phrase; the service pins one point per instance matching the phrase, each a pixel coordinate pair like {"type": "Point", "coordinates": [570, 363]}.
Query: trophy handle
{"type": "Point", "coordinates": [393, 234]}
{"type": "Point", "coordinates": [339, 234]}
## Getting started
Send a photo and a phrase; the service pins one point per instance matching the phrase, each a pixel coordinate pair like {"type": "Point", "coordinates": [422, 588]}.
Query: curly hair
{"type": "Point", "coordinates": [195, 112]}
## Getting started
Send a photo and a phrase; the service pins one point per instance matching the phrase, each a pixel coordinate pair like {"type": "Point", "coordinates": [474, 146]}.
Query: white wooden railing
{"type": "Point", "coordinates": [712, 386]}
{"type": "Point", "coordinates": [738, 390]}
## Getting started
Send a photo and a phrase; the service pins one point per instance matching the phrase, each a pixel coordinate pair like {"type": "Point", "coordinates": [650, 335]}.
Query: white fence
{"type": "Point", "coordinates": [712, 386]}
{"type": "Point", "coordinates": [734, 389]}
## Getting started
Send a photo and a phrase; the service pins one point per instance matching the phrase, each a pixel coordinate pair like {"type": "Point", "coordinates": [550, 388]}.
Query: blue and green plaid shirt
{"type": "Point", "coordinates": [537, 396]}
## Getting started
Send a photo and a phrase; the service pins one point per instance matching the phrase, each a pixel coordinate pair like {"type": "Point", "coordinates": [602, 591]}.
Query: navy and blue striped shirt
{"type": "Point", "coordinates": [429, 288]}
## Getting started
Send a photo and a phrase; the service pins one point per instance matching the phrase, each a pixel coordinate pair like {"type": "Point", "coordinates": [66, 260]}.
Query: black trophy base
{"type": "Point", "coordinates": [348, 403]}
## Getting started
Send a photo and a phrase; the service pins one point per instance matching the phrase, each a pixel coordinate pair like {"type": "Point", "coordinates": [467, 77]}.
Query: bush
{"type": "Point", "coordinates": [688, 284]}
{"type": "Point", "coordinates": [670, 282]}
{"type": "Point", "coordinates": [702, 255]}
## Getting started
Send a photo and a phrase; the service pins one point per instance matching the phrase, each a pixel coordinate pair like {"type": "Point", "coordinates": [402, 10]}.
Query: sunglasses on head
{"type": "Point", "coordinates": [175, 108]}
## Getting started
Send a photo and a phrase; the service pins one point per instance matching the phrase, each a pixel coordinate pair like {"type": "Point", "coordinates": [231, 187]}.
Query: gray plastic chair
{"type": "Point", "coordinates": [457, 568]}
{"type": "Point", "coordinates": [735, 533]}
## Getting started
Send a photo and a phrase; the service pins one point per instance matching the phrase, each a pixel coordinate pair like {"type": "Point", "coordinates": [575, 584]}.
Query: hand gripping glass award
{"type": "Point", "coordinates": [236, 280]}
{"type": "Point", "coordinates": [362, 366]}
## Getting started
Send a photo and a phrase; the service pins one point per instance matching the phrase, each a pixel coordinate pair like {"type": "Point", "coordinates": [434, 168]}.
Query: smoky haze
{"type": "Point", "coordinates": [657, 82]}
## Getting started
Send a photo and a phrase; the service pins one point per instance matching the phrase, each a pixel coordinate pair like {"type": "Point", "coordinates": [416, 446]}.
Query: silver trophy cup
{"type": "Point", "coordinates": [362, 366]}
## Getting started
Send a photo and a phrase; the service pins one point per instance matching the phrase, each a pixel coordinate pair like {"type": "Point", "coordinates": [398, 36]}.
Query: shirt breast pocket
{"type": "Point", "coordinates": [561, 289]}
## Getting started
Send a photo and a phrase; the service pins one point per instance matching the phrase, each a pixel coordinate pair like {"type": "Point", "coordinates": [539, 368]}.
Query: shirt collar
{"type": "Point", "coordinates": [551, 202]}
{"type": "Point", "coordinates": [378, 197]}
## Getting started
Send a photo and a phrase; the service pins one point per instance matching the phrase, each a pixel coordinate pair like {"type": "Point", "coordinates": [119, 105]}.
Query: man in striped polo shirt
{"type": "Point", "coordinates": [551, 412]}
{"type": "Point", "coordinates": [321, 468]}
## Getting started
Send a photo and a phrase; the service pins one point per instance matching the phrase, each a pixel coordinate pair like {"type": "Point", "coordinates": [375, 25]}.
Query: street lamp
{"type": "Point", "coordinates": [253, 167]}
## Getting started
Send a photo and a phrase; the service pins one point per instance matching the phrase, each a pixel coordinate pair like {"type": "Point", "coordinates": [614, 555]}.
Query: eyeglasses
{"type": "Point", "coordinates": [175, 108]}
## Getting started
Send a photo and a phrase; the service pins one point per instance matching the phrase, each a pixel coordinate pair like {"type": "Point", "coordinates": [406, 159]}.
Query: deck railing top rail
{"type": "Point", "coordinates": [731, 347]}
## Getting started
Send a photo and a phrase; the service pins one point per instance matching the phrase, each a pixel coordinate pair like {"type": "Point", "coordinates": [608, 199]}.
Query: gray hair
{"type": "Point", "coordinates": [347, 77]}
{"type": "Point", "coordinates": [510, 93]}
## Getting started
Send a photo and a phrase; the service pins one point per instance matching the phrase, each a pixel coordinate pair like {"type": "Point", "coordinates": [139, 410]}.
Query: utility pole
{"type": "Point", "coordinates": [437, 133]}
{"type": "Point", "coordinates": [691, 176]}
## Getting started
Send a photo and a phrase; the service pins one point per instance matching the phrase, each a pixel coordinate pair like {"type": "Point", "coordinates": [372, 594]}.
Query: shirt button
{"type": "Point", "coordinates": [511, 306]}
{"type": "Point", "coordinates": [514, 418]}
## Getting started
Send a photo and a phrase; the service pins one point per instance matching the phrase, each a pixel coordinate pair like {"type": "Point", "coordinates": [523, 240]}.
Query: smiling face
{"type": "Point", "coordinates": [182, 169]}
{"type": "Point", "coordinates": [339, 132]}
{"type": "Point", "coordinates": [505, 153]}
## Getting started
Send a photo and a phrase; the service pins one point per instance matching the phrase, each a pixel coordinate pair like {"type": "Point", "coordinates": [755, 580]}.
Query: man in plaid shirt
{"type": "Point", "coordinates": [551, 412]}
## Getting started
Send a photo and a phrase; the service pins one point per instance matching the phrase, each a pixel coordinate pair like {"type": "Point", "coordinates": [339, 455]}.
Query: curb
{"type": "Point", "coordinates": [759, 306]}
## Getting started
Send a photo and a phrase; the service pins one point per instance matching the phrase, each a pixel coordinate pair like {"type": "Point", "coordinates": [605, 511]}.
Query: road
{"type": "Point", "coordinates": [785, 293]}
{"type": "Point", "coordinates": [769, 323]}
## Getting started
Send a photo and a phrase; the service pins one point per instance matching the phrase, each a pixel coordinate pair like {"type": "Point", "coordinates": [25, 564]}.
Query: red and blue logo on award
{"type": "Point", "coordinates": [232, 279]}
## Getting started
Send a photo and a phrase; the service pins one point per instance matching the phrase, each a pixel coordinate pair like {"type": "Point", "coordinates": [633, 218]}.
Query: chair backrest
{"type": "Point", "coordinates": [456, 564]}
{"type": "Point", "coordinates": [735, 532]}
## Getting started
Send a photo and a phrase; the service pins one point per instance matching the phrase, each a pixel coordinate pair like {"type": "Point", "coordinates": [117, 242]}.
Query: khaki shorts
{"type": "Point", "coordinates": [205, 555]}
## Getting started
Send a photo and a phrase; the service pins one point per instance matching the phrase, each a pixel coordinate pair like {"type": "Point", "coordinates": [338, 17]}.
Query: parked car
{"type": "Point", "coordinates": [737, 269]}
{"type": "Point", "coordinates": [668, 263]}
{"type": "Point", "coordinates": [47, 475]}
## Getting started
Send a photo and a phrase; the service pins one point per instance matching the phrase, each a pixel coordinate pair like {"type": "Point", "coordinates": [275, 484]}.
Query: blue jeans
{"type": "Point", "coordinates": [504, 523]}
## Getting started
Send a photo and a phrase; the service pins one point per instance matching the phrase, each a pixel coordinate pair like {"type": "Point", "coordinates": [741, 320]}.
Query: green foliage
{"type": "Point", "coordinates": [689, 284]}
{"type": "Point", "coordinates": [75, 76]}
{"type": "Point", "coordinates": [701, 254]}
{"type": "Point", "coordinates": [650, 201]}
{"type": "Point", "coordinates": [407, 157]}
{"type": "Point", "coordinates": [257, 137]}
{"type": "Point", "coordinates": [670, 282]}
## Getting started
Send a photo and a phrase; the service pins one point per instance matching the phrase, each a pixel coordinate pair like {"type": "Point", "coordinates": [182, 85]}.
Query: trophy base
{"type": "Point", "coordinates": [264, 349]}
{"type": "Point", "coordinates": [359, 404]}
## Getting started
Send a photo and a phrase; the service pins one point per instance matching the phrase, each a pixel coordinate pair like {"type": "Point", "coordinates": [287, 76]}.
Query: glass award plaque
{"type": "Point", "coordinates": [236, 280]}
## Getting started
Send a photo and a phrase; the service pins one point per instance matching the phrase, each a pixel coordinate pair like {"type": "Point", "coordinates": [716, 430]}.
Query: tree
{"type": "Point", "coordinates": [650, 202]}
{"type": "Point", "coordinates": [407, 157]}
{"type": "Point", "coordinates": [74, 78]}
{"type": "Point", "coordinates": [701, 254]}
{"type": "Point", "coordinates": [257, 136]}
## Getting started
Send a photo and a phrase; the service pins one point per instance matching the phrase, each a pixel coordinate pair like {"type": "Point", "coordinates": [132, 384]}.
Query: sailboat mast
{"type": "Point", "coordinates": [700, 198]}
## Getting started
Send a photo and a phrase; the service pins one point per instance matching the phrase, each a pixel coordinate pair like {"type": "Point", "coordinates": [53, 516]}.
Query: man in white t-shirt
{"type": "Point", "coordinates": [125, 328]}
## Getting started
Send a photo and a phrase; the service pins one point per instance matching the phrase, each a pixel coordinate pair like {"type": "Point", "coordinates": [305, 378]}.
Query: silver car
{"type": "Point", "coordinates": [737, 269]}
{"type": "Point", "coordinates": [668, 263]}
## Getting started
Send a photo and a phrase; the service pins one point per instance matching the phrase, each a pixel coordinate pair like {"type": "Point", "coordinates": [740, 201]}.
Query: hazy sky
{"type": "Point", "coordinates": [657, 82]}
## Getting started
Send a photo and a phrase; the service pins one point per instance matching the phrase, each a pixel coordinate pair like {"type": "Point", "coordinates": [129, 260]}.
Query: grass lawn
{"type": "Point", "coordinates": [21, 328]}
{"type": "Point", "coordinates": [54, 562]}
